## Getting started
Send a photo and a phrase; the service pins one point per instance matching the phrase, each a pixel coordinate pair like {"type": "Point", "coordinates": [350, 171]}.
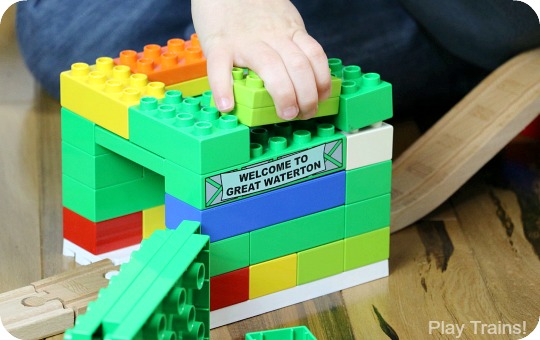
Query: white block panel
{"type": "Point", "coordinates": [369, 145]}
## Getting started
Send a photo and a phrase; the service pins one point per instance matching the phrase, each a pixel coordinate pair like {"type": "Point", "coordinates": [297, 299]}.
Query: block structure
{"type": "Point", "coordinates": [292, 210]}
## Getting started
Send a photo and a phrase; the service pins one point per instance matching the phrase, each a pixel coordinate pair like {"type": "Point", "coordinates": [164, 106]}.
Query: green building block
{"type": "Point", "coordinates": [80, 132]}
{"type": "Point", "coordinates": [162, 292]}
{"type": "Point", "coordinates": [268, 115]}
{"type": "Point", "coordinates": [296, 235]}
{"type": "Point", "coordinates": [367, 215]}
{"type": "Point", "coordinates": [368, 181]}
{"type": "Point", "coordinates": [249, 89]}
{"type": "Point", "coordinates": [98, 171]}
{"type": "Point", "coordinates": [229, 254]}
{"type": "Point", "coordinates": [281, 155]}
{"type": "Point", "coordinates": [365, 99]}
{"type": "Point", "coordinates": [320, 262]}
{"type": "Point", "coordinates": [292, 333]}
{"type": "Point", "coordinates": [367, 248]}
{"type": "Point", "coordinates": [102, 204]}
{"type": "Point", "coordinates": [130, 151]}
{"type": "Point", "coordinates": [182, 132]}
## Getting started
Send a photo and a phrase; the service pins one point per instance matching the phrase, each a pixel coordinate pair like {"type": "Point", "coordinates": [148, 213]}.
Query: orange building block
{"type": "Point", "coordinates": [177, 62]}
{"type": "Point", "coordinates": [105, 236]}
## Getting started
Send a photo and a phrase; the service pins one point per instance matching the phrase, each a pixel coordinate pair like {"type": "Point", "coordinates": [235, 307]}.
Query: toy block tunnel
{"type": "Point", "coordinates": [292, 209]}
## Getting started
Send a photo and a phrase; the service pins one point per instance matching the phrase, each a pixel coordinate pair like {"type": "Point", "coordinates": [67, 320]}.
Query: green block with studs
{"type": "Point", "coordinates": [365, 98]}
{"type": "Point", "coordinates": [183, 132]}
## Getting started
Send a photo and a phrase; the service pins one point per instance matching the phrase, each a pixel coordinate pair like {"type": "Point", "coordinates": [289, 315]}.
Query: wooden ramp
{"type": "Point", "coordinates": [465, 139]}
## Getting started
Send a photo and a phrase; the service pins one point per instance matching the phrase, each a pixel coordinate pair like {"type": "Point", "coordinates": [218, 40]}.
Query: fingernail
{"type": "Point", "coordinates": [223, 104]}
{"type": "Point", "coordinates": [290, 113]}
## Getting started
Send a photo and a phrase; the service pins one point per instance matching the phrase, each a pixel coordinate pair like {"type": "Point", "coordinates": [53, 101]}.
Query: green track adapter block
{"type": "Point", "coordinates": [182, 132]}
{"type": "Point", "coordinates": [162, 293]}
{"type": "Point", "coordinates": [281, 154]}
{"type": "Point", "coordinates": [365, 98]}
{"type": "Point", "coordinates": [292, 333]}
{"type": "Point", "coordinates": [118, 200]}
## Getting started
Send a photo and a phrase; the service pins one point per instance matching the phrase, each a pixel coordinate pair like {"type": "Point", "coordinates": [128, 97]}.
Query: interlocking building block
{"type": "Point", "coordinates": [102, 204]}
{"type": "Point", "coordinates": [368, 181]}
{"type": "Point", "coordinates": [229, 288]}
{"type": "Point", "coordinates": [192, 88]}
{"type": "Point", "coordinates": [130, 151]}
{"type": "Point", "coordinates": [262, 210]}
{"type": "Point", "coordinates": [98, 171]}
{"type": "Point", "coordinates": [292, 333]}
{"type": "Point", "coordinates": [249, 89]}
{"type": "Point", "coordinates": [102, 93]}
{"type": "Point", "coordinates": [177, 62]}
{"type": "Point", "coordinates": [162, 292]}
{"type": "Point", "coordinates": [320, 262]}
{"type": "Point", "coordinates": [272, 276]}
{"type": "Point", "coordinates": [365, 99]}
{"type": "Point", "coordinates": [254, 105]}
{"type": "Point", "coordinates": [80, 132]}
{"type": "Point", "coordinates": [153, 219]}
{"type": "Point", "coordinates": [184, 133]}
{"type": "Point", "coordinates": [105, 236]}
{"type": "Point", "coordinates": [367, 215]}
{"type": "Point", "coordinates": [369, 145]}
{"type": "Point", "coordinates": [229, 254]}
{"type": "Point", "coordinates": [281, 155]}
{"type": "Point", "coordinates": [367, 248]}
{"type": "Point", "coordinates": [296, 235]}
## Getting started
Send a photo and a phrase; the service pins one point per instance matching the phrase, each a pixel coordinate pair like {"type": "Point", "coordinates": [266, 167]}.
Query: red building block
{"type": "Point", "coordinates": [105, 236]}
{"type": "Point", "coordinates": [177, 62]}
{"type": "Point", "coordinates": [229, 288]}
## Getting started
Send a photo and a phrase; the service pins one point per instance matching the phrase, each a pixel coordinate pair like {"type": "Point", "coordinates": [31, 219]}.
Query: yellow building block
{"type": "Point", "coordinates": [191, 88]}
{"type": "Point", "coordinates": [102, 93]}
{"type": "Point", "coordinates": [272, 276]}
{"type": "Point", "coordinates": [153, 219]}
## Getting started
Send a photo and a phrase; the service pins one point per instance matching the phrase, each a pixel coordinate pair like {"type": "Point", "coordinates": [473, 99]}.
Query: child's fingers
{"type": "Point", "coordinates": [319, 62]}
{"type": "Point", "coordinates": [219, 66]}
{"type": "Point", "coordinates": [301, 74]}
{"type": "Point", "coordinates": [267, 63]}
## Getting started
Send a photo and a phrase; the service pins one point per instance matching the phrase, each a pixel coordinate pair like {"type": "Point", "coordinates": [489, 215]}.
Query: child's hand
{"type": "Point", "coordinates": [269, 37]}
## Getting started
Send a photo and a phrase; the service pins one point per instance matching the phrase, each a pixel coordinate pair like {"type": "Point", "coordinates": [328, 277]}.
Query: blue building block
{"type": "Point", "coordinates": [262, 210]}
{"type": "Point", "coordinates": [182, 132]}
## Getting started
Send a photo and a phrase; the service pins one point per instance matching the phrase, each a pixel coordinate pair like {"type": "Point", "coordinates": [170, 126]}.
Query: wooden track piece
{"type": "Point", "coordinates": [49, 306]}
{"type": "Point", "coordinates": [465, 139]}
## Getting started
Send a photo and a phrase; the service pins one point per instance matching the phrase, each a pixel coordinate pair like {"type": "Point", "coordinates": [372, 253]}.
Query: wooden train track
{"type": "Point", "coordinates": [465, 139]}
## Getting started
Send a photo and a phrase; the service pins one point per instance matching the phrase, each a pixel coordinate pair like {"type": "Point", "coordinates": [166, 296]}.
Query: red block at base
{"type": "Point", "coordinates": [105, 236]}
{"type": "Point", "coordinates": [229, 288]}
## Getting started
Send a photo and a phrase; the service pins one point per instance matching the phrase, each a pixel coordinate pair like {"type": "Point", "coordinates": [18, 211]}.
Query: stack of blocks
{"type": "Point", "coordinates": [293, 210]}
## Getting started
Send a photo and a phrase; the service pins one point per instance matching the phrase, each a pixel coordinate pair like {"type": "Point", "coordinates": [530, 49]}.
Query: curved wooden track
{"type": "Point", "coordinates": [465, 139]}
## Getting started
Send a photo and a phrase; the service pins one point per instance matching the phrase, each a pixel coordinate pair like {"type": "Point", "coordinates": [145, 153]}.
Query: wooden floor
{"type": "Point", "coordinates": [476, 262]}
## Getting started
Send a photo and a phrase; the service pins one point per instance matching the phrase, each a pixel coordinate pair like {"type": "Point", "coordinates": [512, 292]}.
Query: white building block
{"type": "Point", "coordinates": [369, 145]}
